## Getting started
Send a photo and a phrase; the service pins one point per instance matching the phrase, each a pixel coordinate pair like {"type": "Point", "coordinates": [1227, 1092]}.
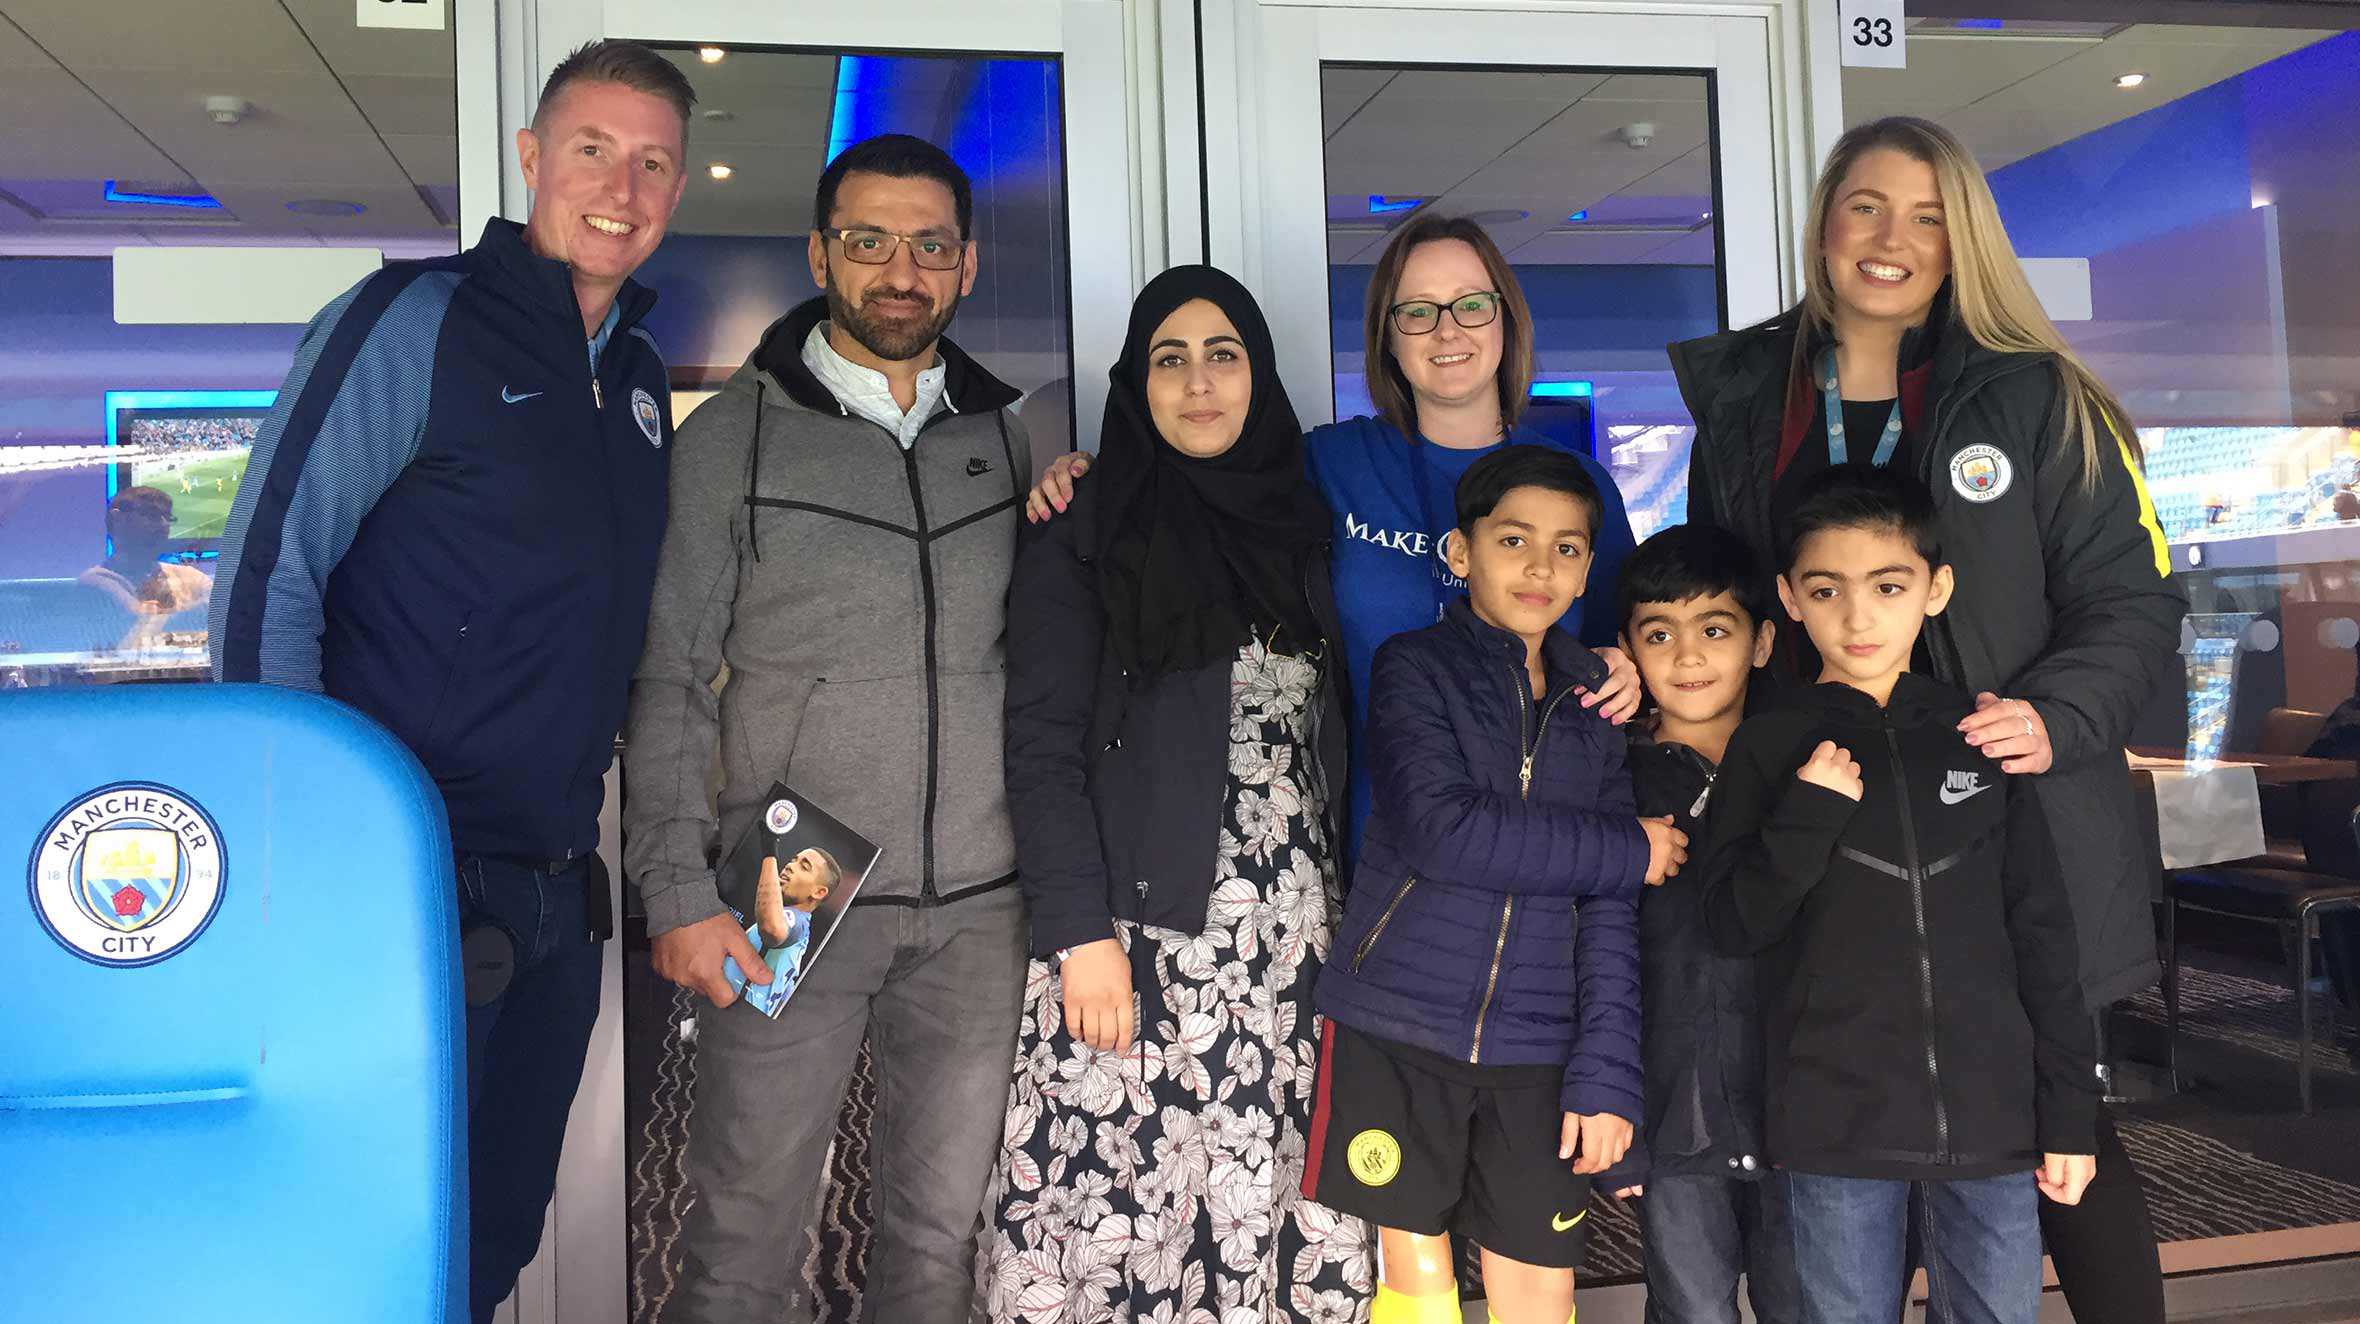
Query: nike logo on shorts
{"type": "Point", "coordinates": [1560, 1223]}
{"type": "Point", "coordinates": [508, 397]}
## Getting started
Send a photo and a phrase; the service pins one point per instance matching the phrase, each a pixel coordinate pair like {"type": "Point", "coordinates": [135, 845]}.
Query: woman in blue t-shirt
{"type": "Point", "coordinates": [1450, 359]}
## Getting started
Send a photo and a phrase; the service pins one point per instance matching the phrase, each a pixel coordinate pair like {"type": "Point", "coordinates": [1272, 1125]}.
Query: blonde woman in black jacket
{"type": "Point", "coordinates": [1919, 343]}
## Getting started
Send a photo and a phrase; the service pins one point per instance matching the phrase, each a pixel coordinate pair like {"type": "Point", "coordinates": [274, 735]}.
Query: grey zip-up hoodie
{"type": "Point", "coordinates": [857, 593]}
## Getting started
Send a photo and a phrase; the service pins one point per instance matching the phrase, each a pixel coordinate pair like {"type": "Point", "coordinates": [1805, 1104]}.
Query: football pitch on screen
{"type": "Point", "coordinates": [201, 492]}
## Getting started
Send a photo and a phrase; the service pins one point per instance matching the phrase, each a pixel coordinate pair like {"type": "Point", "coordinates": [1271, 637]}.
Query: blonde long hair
{"type": "Point", "coordinates": [1990, 295]}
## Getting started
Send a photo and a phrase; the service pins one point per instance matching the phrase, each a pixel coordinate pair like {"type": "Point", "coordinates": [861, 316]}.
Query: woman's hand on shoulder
{"type": "Point", "coordinates": [2010, 730]}
{"type": "Point", "coordinates": [1617, 700]}
{"type": "Point", "coordinates": [1054, 492]}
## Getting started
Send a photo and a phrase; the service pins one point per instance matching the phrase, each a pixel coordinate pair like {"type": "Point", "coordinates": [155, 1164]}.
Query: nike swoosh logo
{"type": "Point", "coordinates": [1951, 797]}
{"type": "Point", "coordinates": [508, 398]}
{"type": "Point", "coordinates": [1560, 1223]}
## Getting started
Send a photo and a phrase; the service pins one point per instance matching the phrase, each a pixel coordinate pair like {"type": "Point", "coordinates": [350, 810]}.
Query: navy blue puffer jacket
{"type": "Point", "coordinates": [1494, 915]}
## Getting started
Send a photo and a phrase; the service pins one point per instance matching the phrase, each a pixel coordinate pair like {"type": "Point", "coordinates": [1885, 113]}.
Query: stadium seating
{"type": "Point", "coordinates": [232, 1048]}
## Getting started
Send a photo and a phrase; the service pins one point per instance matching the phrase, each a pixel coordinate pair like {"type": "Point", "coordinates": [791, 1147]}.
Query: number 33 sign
{"type": "Point", "coordinates": [1872, 33]}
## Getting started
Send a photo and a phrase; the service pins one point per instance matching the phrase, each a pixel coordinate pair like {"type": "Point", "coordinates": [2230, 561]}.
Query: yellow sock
{"type": "Point", "coordinates": [1401, 1308]}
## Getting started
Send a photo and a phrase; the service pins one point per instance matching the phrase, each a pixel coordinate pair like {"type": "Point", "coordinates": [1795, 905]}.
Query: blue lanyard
{"type": "Point", "coordinates": [1831, 400]}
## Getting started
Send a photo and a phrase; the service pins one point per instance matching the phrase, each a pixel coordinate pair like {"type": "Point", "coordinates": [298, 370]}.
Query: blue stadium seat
{"type": "Point", "coordinates": [232, 1037]}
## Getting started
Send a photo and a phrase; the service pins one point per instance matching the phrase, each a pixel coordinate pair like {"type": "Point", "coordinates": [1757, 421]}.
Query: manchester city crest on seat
{"type": "Point", "coordinates": [128, 874]}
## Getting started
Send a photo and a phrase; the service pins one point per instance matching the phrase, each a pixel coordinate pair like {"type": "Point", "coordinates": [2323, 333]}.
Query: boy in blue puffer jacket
{"type": "Point", "coordinates": [1481, 1055]}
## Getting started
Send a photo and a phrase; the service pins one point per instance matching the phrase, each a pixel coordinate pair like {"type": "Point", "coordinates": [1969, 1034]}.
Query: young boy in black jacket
{"type": "Point", "coordinates": [1712, 1209]}
{"type": "Point", "coordinates": [1924, 1027]}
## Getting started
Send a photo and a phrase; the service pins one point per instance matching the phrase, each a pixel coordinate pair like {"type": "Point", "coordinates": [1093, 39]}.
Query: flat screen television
{"type": "Point", "coordinates": [190, 445]}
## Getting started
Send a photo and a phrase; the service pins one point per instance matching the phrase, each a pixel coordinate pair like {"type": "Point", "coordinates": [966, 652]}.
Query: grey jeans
{"type": "Point", "coordinates": [939, 990]}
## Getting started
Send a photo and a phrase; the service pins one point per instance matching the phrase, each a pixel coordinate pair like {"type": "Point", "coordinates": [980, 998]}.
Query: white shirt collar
{"type": "Point", "coordinates": [866, 392]}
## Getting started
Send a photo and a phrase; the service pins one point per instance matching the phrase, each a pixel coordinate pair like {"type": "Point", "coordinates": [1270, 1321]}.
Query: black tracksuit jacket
{"type": "Point", "coordinates": [1922, 1015]}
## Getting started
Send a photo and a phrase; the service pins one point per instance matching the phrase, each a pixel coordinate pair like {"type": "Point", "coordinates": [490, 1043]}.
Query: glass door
{"type": "Point", "coordinates": [1628, 165]}
{"type": "Point", "coordinates": [1029, 96]}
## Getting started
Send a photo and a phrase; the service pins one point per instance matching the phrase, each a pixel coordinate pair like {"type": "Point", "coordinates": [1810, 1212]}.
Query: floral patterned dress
{"type": "Point", "coordinates": [1163, 1185]}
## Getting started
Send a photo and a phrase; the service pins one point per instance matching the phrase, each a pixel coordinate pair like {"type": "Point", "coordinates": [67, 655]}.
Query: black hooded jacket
{"type": "Point", "coordinates": [2063, 594]}
{"type": "Point", "coordinates": [1700, 1033]}
{"type": "Point", "coordinates": [1922, 1016]}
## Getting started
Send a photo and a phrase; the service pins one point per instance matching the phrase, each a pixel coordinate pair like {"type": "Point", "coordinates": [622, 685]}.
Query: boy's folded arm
{"type": "Point", "coordinates": [1604, 1075]}
{"type": "Point", "coordinates": [1768, 845]}
{"type": "Point", "coordinates": [1056, 628]}
{"type": "Point", "coordinates": [2048, 979]}
{"type": "Point", "coordinates": [1454, 829]}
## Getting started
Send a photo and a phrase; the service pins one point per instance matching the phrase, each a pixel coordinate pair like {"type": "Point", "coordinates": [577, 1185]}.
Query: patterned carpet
{"type": "Point", "coordinates": [2197, 1186]}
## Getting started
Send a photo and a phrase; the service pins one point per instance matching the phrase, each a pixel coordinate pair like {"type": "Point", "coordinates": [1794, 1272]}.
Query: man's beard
{"type": "Point", "coordinates": [894, 342]}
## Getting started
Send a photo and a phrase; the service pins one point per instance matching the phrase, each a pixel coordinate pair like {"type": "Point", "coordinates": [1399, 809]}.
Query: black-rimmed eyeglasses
{"type": "Point", "coordinates": [875, 248]}
{"type": "Point", "coordinates": [1417, 317]}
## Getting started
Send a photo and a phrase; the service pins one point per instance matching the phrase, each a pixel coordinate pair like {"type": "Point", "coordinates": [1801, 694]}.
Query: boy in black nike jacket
{"type": "Point", "coordinates": [1923, 1019]}
{"type": "Point", "coordinates": [1694, 620]}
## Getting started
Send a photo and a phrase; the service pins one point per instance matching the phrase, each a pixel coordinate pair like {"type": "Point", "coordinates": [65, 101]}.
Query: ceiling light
{"type": "Point", "coordinates": [711, 54]}
{"type": "Point", "coordinates": [1579, 216]}
{"type": "Point", "coordinates": [2129, 80]}
{"type": "Point", "coordinates": [2261, 200]}
{"type": "Point", "coordinates": [325, 207]}
{"type": "Point", "coordinates": [227, 110]}
{"type": "Point", "coordinates": [150, 195]}
{"type": "Point", "coordinates": [717, 115]}
{"type": "Point", "coordinates": [1503, 216]}
{"type": "Point", "coordinates": [719, 171]}
{"type": "Point", "coordinates": [1379, 204]}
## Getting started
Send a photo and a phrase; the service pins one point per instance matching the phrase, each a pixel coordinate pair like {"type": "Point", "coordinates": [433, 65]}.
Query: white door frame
{"type": "Point", "coordinates": [1263, 123]}
{"type": "Point", "coordinates": [584, 1263]}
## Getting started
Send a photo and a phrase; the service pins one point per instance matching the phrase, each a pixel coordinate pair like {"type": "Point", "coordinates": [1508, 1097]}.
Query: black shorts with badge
{"type": "Point", "coordinates": [1413, 1140]}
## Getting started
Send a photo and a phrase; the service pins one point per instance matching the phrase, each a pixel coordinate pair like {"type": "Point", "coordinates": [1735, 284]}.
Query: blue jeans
{"type": "Point", "coordinates": [525, 1046]}
{"type": "Point", "coordinates": [1701, 1233]}
{"type": "Point", "coordinates": [1982, 1248]}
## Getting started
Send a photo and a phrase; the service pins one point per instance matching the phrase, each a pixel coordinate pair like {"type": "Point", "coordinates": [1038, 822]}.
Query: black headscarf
{"type": "Point", "coordinates": [1192, 554]}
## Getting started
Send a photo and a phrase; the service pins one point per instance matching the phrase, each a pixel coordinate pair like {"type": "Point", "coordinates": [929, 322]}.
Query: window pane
{"type": "Point", "coordinates": [228, 125]}
{"type": "Point", "coordinates": [1597, 185]}
{"type": "Point", "coordinates": [2183, 198]}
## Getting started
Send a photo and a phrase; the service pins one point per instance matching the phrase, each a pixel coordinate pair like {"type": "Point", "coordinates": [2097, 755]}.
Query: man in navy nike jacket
{"type": "Point", "coordinates": [450, 522]}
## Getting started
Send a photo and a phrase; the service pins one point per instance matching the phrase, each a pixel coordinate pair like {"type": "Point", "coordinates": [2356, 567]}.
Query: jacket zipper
{"type": "Point", "coordinates": [1499, 947]}
{"type": "Point", "coordinates": [909, 462]}
{"type": "Point", "coordinates": [1697, 810]}
{"type": "Point", "coordinates": [1917, 904]}
{"type": "Point", "coordinates": [1400, 894]}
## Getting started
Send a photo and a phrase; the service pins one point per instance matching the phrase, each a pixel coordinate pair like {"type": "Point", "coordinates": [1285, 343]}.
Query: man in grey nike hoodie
{"type": "Point", "coordinates": [843, 522]}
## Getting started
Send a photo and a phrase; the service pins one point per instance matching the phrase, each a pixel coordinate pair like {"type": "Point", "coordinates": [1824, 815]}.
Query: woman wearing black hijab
{"type": "Point", "coordinates": [1174, 733]}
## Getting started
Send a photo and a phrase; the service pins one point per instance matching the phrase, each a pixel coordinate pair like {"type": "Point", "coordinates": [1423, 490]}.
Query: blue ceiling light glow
{"type": "Point", "coordinates": [202, 201]}
{"type": "Point", "coordinates": [844, 127]}
{"type": "Point", "coordinates": [1582, 215]}
{"type": "Point", "coordinates": [1984, 24]}
{"type": "Point", "coordinates": [1379, 204]}
{"type": "Point", "coordinates": [1561, 391]}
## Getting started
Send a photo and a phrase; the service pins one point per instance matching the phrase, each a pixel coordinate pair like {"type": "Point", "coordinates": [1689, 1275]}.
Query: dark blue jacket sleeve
{"type": "Point", "coordinates": [1452, 829]}
{"type": "Point", "coordinates": [348, 420]}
